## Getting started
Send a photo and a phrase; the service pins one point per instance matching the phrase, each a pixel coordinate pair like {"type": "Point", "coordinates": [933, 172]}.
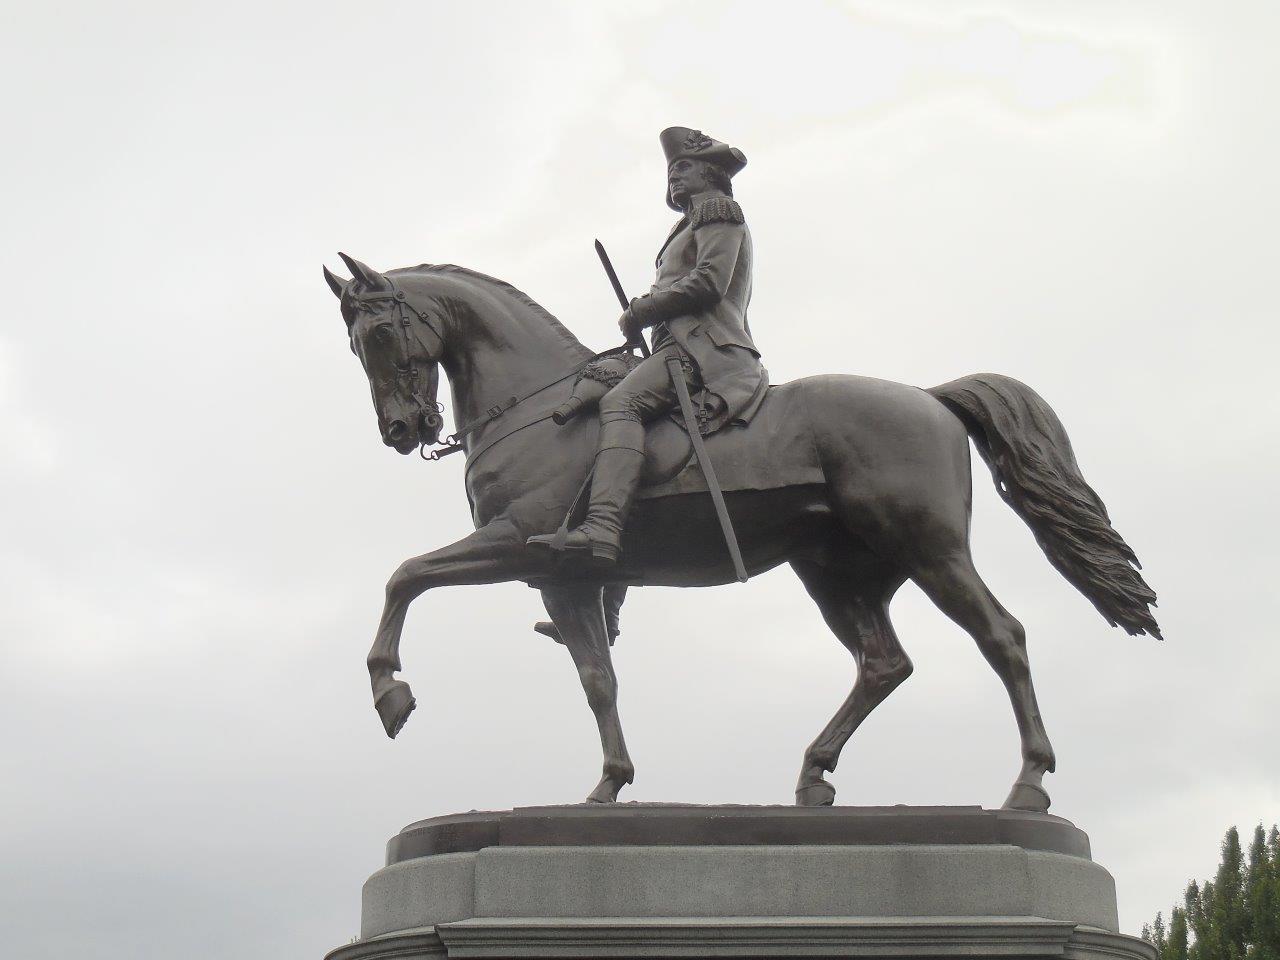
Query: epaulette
{"type": "Point", "coordinates": [716, 210]}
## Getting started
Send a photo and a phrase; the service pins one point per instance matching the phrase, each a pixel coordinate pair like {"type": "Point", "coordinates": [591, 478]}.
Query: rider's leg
{"type": "Point", "coordinates": [619, 461]}
{"type": "Point", "coordinates": [645, 394]}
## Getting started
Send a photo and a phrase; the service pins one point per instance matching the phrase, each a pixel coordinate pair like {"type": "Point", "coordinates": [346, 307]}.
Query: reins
{"type": "Point", "coordinates": [430, 409]}
{"type": "Point", "coordinates": [453, 442]}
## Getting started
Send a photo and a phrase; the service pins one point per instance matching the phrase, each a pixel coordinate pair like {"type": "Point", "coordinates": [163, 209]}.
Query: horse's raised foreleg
{"type": "Point", "coordinates": [579, 616]}
{"type": "Point", "coordinates": [861, 622]}
{"type": "Point", "coordinates": [954, 585]}
{"type": "Point", "coordinates": [493, 554]}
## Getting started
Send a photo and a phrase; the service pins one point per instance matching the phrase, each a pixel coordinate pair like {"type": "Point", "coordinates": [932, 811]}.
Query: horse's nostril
{"type": "Point", "coordinates": [397, 430]}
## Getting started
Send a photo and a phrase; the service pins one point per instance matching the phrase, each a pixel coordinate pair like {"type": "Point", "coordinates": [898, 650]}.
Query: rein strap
{"type": "Point", "coordinates": [432, 408]}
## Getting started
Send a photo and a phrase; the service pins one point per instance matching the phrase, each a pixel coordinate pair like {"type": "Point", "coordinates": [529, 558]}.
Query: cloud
{"type": "Point", "coordinates": [202, 516]}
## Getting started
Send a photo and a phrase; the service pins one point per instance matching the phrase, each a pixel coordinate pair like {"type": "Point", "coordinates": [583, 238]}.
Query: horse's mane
{"type": "Point", "coordinates": [515, 294]}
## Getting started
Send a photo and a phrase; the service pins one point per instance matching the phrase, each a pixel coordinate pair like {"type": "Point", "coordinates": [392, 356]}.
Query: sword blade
{"type": "Point", "coordinates": [612, 274]}
{"type": "Point", "coordinates": [676, 369]}
{"type": "Point", "coordinates": [617, 289]}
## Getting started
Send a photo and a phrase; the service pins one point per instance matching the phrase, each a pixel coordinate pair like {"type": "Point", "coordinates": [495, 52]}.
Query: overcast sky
{"type": "Point", "coordinates": [200, 516]}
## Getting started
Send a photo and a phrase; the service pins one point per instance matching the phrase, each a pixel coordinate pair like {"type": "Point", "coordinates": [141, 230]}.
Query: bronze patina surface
{"type": "Point", "coordinates": [877, 492]}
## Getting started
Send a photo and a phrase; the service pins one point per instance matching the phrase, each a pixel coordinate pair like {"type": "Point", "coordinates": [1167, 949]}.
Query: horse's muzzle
{"type": "Point", "coordinates": [429, 427]}
{"type": "Point", "coordinates": [398, 435]}
{"type": "Point", "coordinates": [397, 431]}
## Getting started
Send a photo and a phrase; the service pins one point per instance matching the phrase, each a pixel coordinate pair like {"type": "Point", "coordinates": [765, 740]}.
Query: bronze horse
{"type": "Point", "coordinates": [894, 506]}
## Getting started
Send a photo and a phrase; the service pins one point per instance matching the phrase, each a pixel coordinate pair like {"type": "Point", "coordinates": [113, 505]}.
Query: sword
{"type": "Point", "coordinates": [622, 297]}
{"type": "Point", "coordinates": [675, 367]}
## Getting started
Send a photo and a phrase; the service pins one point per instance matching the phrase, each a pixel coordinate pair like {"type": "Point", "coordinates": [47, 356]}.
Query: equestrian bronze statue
{"type": "Point", "coordinates": [859, 484]}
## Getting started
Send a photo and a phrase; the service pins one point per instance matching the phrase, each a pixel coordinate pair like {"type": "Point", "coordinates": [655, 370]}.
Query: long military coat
{"type": "Point", "coordinates": [701, 293]}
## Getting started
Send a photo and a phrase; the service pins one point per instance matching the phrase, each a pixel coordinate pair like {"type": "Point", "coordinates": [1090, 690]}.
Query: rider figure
{"type": "Point", "coordinates": [698, 311]}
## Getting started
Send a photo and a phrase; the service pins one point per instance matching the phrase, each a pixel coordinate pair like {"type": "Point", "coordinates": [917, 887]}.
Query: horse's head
{"type": "Point", "coordinates": [399, 347]}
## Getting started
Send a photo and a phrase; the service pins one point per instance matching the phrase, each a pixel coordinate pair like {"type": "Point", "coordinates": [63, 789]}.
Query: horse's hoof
{"type": "Point", "coordinates": [819, 794]}
{"type": "Point", "coordinates": [606, 791]}
{"type": "Point", "coordinates": [1028, 796]}
{"type": "Point", "coordinates": [394, 704]}
{"type": "Point", "coordinates": [610, 784]}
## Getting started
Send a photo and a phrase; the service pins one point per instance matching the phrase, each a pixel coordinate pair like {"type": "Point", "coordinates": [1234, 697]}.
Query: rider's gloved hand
{"type": "Point", "coordinates": [643, 312]}
{"type": "Point", "coordinates": [629, 325]}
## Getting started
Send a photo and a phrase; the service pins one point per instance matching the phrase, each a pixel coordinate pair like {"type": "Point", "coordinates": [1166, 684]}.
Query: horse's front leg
{"type": "Point", "coordinates": [493, 554]}
{"type": "Point", "coordinates": [579, 616]}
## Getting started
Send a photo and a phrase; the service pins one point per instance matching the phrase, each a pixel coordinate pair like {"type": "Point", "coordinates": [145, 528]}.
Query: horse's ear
{"type": "Point", "coordinates": [366, 275]}
{"type": "Point", "coordinates": [335, 284]}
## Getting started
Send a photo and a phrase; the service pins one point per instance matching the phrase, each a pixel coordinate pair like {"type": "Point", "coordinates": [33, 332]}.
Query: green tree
{"type": "Point", "coordinates": [1229, 919]}
{"type": "Point", "coordinates": [1235, 916]}
{"type": "Point", "coordinates": [1262, 897]}
{"type": "Point", "coordinates": [1176, 946]}
{"type": "Point", "coordinates": [1200, 920]}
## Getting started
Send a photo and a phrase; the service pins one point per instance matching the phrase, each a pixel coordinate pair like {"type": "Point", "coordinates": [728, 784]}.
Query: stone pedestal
{"type": "Point", "coordinates": [648, 880]}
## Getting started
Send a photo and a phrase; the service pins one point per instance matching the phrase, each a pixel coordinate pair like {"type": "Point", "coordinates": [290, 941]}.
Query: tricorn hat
{"type": "Point", "coordinates": [678, 142]}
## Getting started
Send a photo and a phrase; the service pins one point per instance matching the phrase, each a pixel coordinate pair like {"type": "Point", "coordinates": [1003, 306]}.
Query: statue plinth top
{"type": "Point", "coordinates": [672, 824]}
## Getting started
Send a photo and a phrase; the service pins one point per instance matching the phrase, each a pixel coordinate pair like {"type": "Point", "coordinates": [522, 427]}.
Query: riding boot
{"type": "Point", "coordinates": [619, 461]}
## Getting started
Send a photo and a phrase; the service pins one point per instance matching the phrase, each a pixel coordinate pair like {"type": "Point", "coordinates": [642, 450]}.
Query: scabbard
{"type": "Point", "coordinates": [675, 367]}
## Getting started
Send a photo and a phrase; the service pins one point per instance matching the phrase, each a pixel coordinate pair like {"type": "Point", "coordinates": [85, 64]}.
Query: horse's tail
{"type": "Point", "coordinates": [1026, 447]}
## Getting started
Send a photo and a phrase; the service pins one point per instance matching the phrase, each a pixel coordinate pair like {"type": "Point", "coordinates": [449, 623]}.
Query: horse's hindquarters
{"type": "Point", "coordinates": [894, 464]}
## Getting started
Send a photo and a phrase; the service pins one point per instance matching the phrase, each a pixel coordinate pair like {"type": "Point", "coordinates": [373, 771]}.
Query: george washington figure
{"type": "Point", "coordinates": [697, 310]}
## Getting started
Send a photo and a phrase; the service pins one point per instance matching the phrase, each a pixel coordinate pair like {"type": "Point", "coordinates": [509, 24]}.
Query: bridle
{"type": "Point", "coordinates": [430, 410]}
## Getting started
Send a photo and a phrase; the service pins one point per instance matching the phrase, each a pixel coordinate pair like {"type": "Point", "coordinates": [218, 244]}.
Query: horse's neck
{"type": "Point", "coordinates": [499, 348]}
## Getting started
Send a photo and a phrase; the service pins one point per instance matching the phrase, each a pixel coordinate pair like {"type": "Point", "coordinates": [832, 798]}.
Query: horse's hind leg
{"type": "Point", "coordinates": [579, 617]}
{"type": "Point", "coordinates": [860, 619]}
{"type": "Point", "coordinates": [954, 585]}
{"type": "Point", "coordinates": [614, 595]}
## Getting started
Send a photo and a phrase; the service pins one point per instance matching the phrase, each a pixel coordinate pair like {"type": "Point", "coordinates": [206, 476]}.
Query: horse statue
{"type": "Point", "coordinates": [884, 497]}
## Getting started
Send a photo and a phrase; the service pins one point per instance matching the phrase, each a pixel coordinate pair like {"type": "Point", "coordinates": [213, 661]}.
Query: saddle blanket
{"type": "Point", "coordinates": [776, 449]}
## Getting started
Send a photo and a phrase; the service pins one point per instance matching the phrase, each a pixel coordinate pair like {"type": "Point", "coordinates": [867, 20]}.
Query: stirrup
{"type": "Point", "coordinates": [575, 543]}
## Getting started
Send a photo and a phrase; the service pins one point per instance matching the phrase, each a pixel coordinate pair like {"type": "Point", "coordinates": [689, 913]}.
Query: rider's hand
{"type": "Point", "coordinates": [629, 326]}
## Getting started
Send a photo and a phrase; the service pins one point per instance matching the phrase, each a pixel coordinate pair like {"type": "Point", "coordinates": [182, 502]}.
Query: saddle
{"type": "Point", "coordinates": [775, 450]}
